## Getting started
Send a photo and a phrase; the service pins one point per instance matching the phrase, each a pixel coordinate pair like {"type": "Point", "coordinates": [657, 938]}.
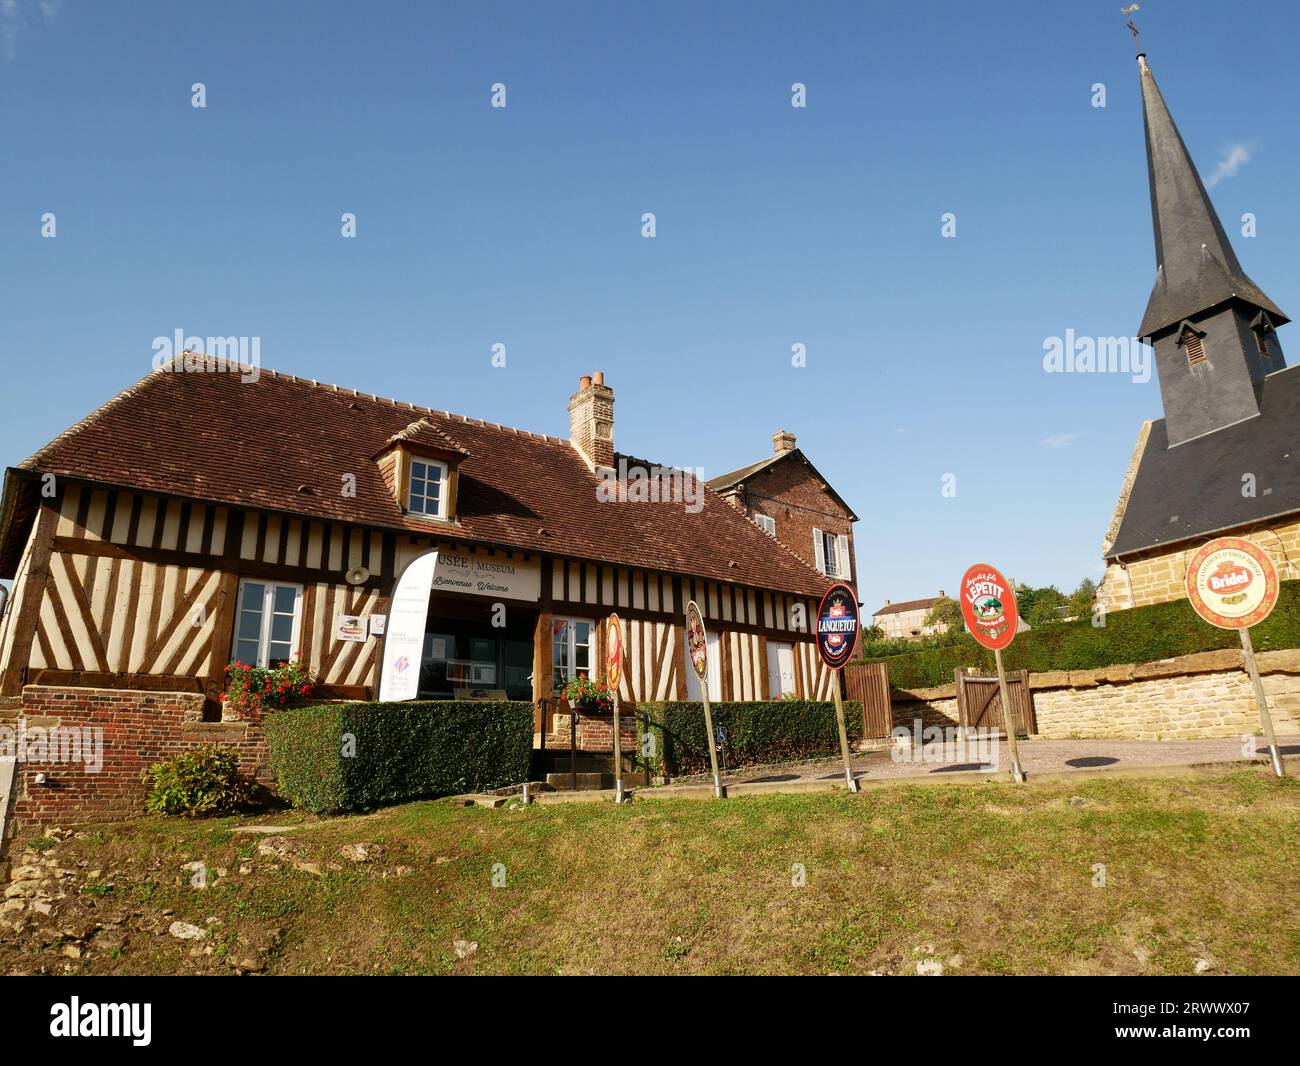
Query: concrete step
{"type": "Point", "coordinates": [561, 782]}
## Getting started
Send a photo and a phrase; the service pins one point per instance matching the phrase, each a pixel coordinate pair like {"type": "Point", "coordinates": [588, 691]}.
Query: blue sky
{"type": "Point", "coordinates": [775, 226]}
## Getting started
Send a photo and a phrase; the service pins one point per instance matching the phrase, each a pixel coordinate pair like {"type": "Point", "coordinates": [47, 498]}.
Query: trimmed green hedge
{"type": "Point", "coordinates": [400, 751]}
{"type": "Point", "coordinates": [757, 732]}
{"type": "Point", "coordinates": [1138, 635]}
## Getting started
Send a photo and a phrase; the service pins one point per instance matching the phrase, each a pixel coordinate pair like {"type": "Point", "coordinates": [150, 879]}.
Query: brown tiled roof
{"type": "Point", "coordinates": [907, 605]}
{"type": "Point", "coordinates": [422, 431]}
{"type": "Point", "coordinates": [284, 443]}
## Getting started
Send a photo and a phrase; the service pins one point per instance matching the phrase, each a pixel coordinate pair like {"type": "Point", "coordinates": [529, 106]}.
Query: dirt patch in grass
{"type": "Point", "coordinates": [1098, 876]}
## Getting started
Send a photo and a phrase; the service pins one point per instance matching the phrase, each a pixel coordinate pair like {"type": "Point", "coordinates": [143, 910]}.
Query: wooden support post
{"type": "Point", "coordinates": [1248, 648]}
{"type": "Point", "coordinates": [1008, 719]}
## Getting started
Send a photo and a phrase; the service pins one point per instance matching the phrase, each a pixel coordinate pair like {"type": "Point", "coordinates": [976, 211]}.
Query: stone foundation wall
{"type": "Point", "coordinates": [136, 729]}
{"type": "Point", "coordinates": [1192, 696]}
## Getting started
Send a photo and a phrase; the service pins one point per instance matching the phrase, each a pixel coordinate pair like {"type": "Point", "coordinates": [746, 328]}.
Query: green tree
{"type": "Point", "coordinates": [946, 613]}
{"type": "Point", "coordinates": [1082, 599]}
{"type": "Point", "coordinates": [1043, 608]}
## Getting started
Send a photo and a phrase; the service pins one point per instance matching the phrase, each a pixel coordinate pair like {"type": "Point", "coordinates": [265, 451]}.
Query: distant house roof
{"type": "Point", "coordinates": [907, 605]}
{"type": "Point", "coordinates": [729, 480]}
{"type": "Point", "coordinates": [1196, 489]}
{"type": "Point", "coordinates": [285, 443]}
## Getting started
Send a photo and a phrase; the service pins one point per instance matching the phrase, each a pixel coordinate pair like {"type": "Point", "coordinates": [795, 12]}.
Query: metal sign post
{"type": "Point", "coordinates": [697, 644]}
{"type": "Point", "coordinates": [1233, 584]}
{"type": "Point", "coordinates": [837, 637]}
{"type": "Point", "coordinates": [613, 670]}
{"type": "Point", "coordinates": [988, 606]}
{"type": "Point", "coordinates": [1008, 722]}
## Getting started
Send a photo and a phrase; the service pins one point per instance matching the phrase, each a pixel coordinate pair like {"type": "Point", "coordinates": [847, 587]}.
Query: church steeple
{"type": "Point", "coordinates": [1211, 326]}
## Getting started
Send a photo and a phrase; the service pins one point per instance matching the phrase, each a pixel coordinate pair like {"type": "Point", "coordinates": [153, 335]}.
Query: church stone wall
{"type": "Point", "coordinates": [1159, 577]}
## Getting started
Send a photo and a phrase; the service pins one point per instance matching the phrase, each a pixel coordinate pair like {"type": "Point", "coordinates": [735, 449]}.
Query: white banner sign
{"type": "Point", "coordinates": [407, 616]}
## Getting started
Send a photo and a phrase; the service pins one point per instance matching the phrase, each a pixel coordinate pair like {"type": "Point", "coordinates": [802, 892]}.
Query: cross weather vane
{"type": "Point", "coordinates": [1131, 28]}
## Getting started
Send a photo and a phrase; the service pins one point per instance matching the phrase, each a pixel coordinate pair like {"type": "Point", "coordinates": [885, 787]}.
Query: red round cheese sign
{"type": "Point", "coordinates": [988, 603]}
{"type": "Point", "coordinates": [1232, 583]}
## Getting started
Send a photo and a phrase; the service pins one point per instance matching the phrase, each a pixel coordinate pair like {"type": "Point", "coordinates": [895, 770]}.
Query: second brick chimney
{"type": "Point", "coordinates": [782, 441]}
{"type": "Point", "coordinates": [591, 420]}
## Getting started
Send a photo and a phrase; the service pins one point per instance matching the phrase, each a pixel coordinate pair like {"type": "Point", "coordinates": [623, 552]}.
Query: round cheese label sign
{"type": "Point", "coordinates": [1232, 583]}
{"type": "Point", "coordinates": [613, 652]}
{"type": "Point", "coordinates": [988, 604]}
{"type": "Point", "coordinates": [697, 640]}
{"type": "Point", "coordinates": [837, 626]}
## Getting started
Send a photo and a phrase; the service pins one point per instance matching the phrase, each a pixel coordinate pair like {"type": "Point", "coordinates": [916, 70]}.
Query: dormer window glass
{"type": "Point", "coordinates": [427, 494]}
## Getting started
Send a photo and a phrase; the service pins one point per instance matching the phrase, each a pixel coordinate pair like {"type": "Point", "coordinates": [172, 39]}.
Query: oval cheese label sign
{"type": "Point", "coordinates": [1232, 583]}
{"type": "Point", "coordinates": [988, 604]}
{"type": "Point", "coordinates": [837, 626]}
{"type": "Point", "coordinates": [697, 641]}
{"type": "Point", "coordinates": [613, 653]}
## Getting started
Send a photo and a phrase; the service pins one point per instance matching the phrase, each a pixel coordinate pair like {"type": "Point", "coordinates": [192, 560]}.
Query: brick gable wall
{"type": "Point", "coordinates": [793, 496]}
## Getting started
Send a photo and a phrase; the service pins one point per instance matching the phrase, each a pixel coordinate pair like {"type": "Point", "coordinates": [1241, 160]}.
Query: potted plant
{"type": "Point", "coordinates": [588, 695]}
{"type": "Point", "coordinates": [252, 691]}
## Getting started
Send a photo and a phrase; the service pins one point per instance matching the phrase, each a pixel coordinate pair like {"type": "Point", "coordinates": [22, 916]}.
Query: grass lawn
{"type": "Point", "coordinates": [1196, 867]}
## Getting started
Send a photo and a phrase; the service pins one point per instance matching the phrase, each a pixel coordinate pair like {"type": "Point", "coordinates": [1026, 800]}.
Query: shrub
{"type": "Point", "coordinates": [202, 781]}
{"type": "Point", "coordinates": [1138, 635]}
{"type": "Point", "coordinates": [354, 756]}
{"type": "Point", "coordinates": [756, 732]}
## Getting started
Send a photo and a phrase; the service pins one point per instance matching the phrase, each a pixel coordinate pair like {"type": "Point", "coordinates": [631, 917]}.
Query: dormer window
{"type": "Point", "coordinates": [1262, 326]}
{"type": "Point", "coordinates": [421, 468]}
{"type": "Point", "coordinates": [1193, 341]}
{"type": "Point", "coordinates": [427, 492]}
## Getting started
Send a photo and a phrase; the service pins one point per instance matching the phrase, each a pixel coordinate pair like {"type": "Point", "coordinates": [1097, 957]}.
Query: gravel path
{"type": "Point", "coordinates": [1036, 756]}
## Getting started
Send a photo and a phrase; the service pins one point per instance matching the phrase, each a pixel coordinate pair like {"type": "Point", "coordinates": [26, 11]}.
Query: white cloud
{"type": "Point", "coordinates": [1060, 440]}
{"type": "Point", "coordinates": [17, 15]}
{"type": "Point", "coordinates": [1234, 158]}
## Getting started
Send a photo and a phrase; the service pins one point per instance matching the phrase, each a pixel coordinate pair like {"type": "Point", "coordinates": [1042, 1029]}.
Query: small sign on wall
{"type": "Point", "coordinates": [350, 627]}
{"type": "Point", "coordinates": [377, 624]}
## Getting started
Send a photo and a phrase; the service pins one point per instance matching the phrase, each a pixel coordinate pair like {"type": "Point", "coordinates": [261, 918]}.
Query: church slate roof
{"type": "Point", "coordinates": [1196, 489]}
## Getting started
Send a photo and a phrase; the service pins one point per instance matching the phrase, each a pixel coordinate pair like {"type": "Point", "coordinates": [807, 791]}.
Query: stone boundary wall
{"type": "Point", "coordinates": [138, 729]}
{"type": "Point", "coordinates": [1208, 694]}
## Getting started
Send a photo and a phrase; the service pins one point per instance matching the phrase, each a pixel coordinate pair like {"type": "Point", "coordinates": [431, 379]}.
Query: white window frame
{"type": "Point", "coordinates": [443, 487]}
{"type": "Point", "coordinates": [268, 613]}
{"type": "Point", "coordinates": [766, 523]}
{"type": "Point", "coordinates": [571, 645]}
{"type": "Point", "coordinates": [831, 551]}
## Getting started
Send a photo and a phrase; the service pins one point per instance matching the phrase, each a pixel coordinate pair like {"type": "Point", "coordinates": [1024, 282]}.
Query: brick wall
{"type": "Point", "coordinates": [791, 495]}
{"type": "Point", "coordinates": [1204, 695]}
{"type": "Point", "coordinates": [138, 729]}
{"type": "Point", "coordinates": [595, 732]}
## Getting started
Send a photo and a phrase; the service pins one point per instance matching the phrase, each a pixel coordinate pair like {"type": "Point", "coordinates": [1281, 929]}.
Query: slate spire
{"type": "Point", "coordinates": [1210, 324]}
{"type": "Point", "coordinates": [1196, 266]}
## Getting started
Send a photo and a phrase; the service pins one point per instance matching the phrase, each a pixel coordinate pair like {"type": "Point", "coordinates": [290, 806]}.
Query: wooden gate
{"type": "Point", "coordinates": [869, 684]}
{"type": "Point", "coordinates": [979, 703]}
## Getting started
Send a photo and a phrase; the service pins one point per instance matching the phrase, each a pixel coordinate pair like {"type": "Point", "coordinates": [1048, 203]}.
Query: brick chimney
{"type": "Point", "coordinates": [591, 420]}
{"type": "Point", "coordinates": [782, 441]}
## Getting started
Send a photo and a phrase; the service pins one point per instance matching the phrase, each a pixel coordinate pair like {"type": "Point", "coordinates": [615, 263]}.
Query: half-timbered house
{"type": "Point", "coordinates": [212, 514]}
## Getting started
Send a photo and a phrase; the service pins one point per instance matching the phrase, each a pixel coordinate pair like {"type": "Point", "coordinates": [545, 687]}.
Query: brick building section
{"type": "Point", "coordinates": [792, 493]}
{"type": "Point", "coordinates": [139, 729]}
